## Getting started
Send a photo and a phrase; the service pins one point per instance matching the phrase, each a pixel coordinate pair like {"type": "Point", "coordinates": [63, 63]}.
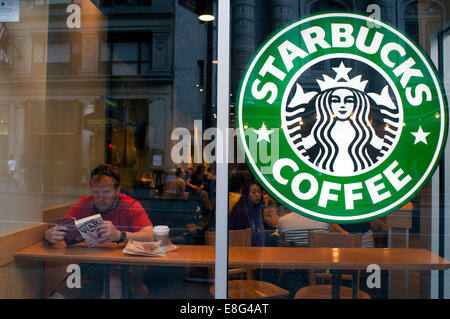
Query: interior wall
{"type": "Point", "coordinates": [45, 132]}
{"type": "Point", "coordinates": [21, 206]}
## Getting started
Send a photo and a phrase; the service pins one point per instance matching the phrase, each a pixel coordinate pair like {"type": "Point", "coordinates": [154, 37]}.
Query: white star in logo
{"type": "Point", "coordinates": [263, 133]}
{"type": "Point", "coordinates": [420, 136]}
{"type": "Point", "coordinates": [342, 72]}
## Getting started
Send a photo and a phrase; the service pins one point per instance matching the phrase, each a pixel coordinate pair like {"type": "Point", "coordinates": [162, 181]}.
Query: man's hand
{"type": "Point", "coordinates": [108, 232]}
{"type": "Point", "coordinates": [275, 233]}
{"type": "Point", "coordinates": [56, 234]}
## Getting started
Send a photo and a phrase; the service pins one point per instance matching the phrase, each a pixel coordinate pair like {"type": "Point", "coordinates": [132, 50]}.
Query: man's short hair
{"type": "Point", "coordinates": [106, 170]}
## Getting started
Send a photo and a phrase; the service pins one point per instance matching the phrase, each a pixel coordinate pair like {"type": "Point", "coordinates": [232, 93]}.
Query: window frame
{"type": "Point", "coordinates": [223, 97]}
{"type": "Point", "coordinates": [114, 38]}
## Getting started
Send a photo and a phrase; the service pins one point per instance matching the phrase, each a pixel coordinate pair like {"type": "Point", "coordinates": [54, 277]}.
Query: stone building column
{"type": "Point", "coordinates": [12, 130]}
{"type": "Point", "coordinates": [242, 39]}
{"type": "Point", "coordinates": [20, 130]}
{"type": "Point", "coordinates": [88, 107]}
{"type": "Point", "coordinates": [89, 54]}
{"type": "Point", "coordinates": [281, 13]}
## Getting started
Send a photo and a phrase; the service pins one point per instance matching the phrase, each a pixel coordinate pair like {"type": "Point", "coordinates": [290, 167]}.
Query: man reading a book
{"type": "Point", "coordinates": [124, 218]}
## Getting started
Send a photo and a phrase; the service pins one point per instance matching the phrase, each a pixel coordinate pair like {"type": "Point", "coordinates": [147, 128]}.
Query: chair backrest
{"type": "Point", "coordinates": [335, 240]}
{"type": "Point", "coordinates": [50, 215]}
{"type": "Point", "coordinates": [284, 243]}
{"type": "Point", "coordinates": [240, 237]}
{"type": "Point", "coordinates": [173, 212]}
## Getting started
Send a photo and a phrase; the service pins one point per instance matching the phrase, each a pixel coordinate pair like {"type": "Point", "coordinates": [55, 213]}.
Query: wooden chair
{"type": "Point", "coordinates": [242, 237]}
{"type": "Point", "coordinates": [335, 240]}
{"type": "Point", "coordinates": [324, 291]}
{"type": "Point", "coordinates": [247, 288]}
{"type": "Point", "coordinates": [284, 243]}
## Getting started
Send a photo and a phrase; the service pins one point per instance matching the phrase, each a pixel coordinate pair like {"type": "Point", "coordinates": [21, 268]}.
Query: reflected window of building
{"type": "Point", "coordinates": [63, 54]}
{"type": "Point", "coordinates": [411, 22]}
{"type": "Point", "coordinates": [125, 3]}
{"type": "Point", "coordinates": [321, 6]}
{"type": "Point", "coordinates": [315, 7]}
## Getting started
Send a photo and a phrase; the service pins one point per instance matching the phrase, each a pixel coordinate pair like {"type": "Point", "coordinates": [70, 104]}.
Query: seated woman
{"type": "Point", "coordinates": [247, 213]}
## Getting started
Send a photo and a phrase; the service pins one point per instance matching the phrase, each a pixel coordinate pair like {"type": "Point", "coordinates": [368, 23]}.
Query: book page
{"type": "Point", "coordinates": [88, 229]}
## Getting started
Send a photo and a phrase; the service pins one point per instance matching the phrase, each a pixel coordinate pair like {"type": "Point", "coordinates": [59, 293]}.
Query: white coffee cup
{"type": "Point", "coordinates": [161, 233]}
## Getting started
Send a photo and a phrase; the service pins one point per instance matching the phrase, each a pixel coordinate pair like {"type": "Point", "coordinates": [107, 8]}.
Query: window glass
{"type": "Point", "coordinates": [273, 224]}
{"type": "Point", "coordinates": [96, 98]}
{"type": "Point", "coordinates": [110, 108]}
{"type": "Point", "coordinates": [125, 51]}
{"type": "Point", "coordinates": [58, 53]}
{"type": "Point", "coordinates": [105, 53]}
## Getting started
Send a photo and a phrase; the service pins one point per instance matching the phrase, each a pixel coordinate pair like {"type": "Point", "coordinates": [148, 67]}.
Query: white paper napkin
{"type": "Point", "coordinates": [134, 247]}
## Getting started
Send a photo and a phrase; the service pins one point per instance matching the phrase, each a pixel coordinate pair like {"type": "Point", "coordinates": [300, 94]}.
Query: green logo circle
{"type": "Point", "coordinates": [341, 117]}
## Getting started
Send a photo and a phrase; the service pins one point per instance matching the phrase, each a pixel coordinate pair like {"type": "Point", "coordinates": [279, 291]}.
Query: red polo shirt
{"type": "Point", "coordinates": [129, 215]}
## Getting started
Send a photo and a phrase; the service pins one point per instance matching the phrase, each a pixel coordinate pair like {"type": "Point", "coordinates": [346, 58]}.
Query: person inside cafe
{"type": "Point", "coordinates": [271, 217]}
{"type": "Point", "coordinates": [180, 187]}
{"type": "Point", "coordinates": [237, 182]}
{"type": "Point", "coordinates": [187, 174]}
{"type": "Point", "coordinates": [295, 228]}
{"type": "Point", "coordinates": [197, 187]}
{"type": "Point", "coordinates": [247, 213]}
{"type": "Point", "coordinates": [210, 182]}
{"type": "Point", "coordinates": [124, 219]}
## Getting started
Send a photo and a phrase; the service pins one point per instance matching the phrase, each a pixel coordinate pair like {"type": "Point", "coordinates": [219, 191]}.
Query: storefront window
{"type": "Point", "coordinates": [107, 82]}
{"type": "Point", "coordinates": [417, 224]}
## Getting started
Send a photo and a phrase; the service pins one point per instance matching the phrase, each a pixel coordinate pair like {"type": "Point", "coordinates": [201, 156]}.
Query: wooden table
{"type": "Point", "coordinates": [195, 256]}
{"type": "Point", "coordinates": [241, 257]}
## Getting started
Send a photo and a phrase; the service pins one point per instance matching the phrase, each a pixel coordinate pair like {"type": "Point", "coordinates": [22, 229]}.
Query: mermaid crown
{"type": "Point", "coordinates": [342, 73]}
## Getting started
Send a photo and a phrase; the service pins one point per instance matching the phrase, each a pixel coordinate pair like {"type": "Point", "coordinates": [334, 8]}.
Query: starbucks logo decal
{"type": "Point", "coordinates": [343, 139]}
{"type": "Point", "coordinates": [340, 120]}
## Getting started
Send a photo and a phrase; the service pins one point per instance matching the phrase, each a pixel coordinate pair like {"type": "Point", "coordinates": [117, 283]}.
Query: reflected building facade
{"type": "Point", "coordinates": [104, 81]}
{"type": "Point", "coordinates": [254, 20]}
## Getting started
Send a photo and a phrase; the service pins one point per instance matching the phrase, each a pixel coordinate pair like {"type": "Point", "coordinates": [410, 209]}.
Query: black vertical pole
{"type": "Point", "coordinates": [208, 93]}
{"type": "Point", "coordinates": [108, 134]}
{"type": "Point", "coordinates": [125, 126]}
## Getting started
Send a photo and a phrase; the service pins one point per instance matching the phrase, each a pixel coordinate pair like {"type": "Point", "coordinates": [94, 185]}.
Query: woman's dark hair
{"type": "Point", "coordinates": [246, 189]}
{"type": "Point", "coordinates": [106, 170]}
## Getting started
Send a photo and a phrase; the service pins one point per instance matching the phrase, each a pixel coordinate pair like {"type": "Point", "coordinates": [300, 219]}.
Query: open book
{"type": "Point", "coordinates": [82, 230]}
